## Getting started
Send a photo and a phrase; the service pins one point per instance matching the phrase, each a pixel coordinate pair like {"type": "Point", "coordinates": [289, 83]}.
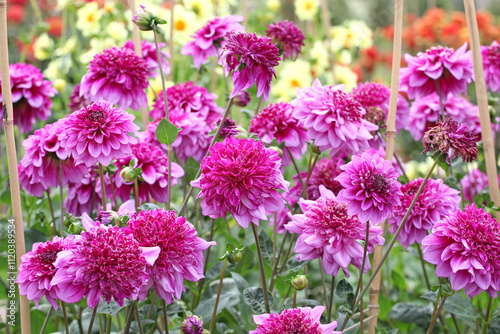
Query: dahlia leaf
{"type": "Point", "coordinates": [266, 246]}
{"type": "Point", "coordinates": [206, 308]}
{"type": "Point", "coordinates": [191, 168]}
{"type": "Point", "coordinates": [254, 298]}
{"type": "Point", "coordinates": [343, 290]}
{"type": "Point", "coordinates": [166, 132]}
{"type": "Point", "coordinates": [112, 308]}
{"type": "Point", "coordinates": [411, 313]}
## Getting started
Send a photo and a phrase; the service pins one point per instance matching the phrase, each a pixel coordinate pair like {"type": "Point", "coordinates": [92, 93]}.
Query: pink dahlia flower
{"type": "Point", "coordinates": [303, 320]}
{"type": "Point", "coordinates": [83, 196]}
{"type": "Point", "coordinates": [465, 247]}
{"type": "Point", "coordinates": [241, 176]}
{"type": "Point", "coordinates": [150, 57]}
{"type": "Point", "coordinates": [28, 183]}
{"type": "Point", "coordinates": [334, 119]}
{"type": "Point", "coordinates": [327, 231]}
{"type": "Point", "coordinates": [31, 95]}
{"type": "Point", "coordinates": [181, 251]}
{"type": "Point", "coordinates": [276, 121]}
{"type": "Point", "coordinates": [77, 102]}
{"type": "Point", "coordinates": [473, 183]}
{"type": "Point", "coordinates": [371, 188]}
{"type": "Point", "coordinates": [98, 133]}
{"type": "Point", "coordinates": [452, 69]}
{"type": "Point", "coordinates": [288, 37]}
{"type": "Point", "coordinates": [192, 325]}
{"type": "Point", "coordinates": [433, 204]}
{"type": "Point", "coordinates": [154, 178]}
{"type": "Point", "coordinates": [380, 151]}
{"type": "Point", "coordinates": [209, 39]}
{"type": "Point", "coordinates": [252, 60]}
{"type": "Point", "coordinates": [119, 76]}
{"type": "Point", "coordinates": [37, 270]}
{"type": "Point", "coordinates": [491, 64]}
{"type": "Point", "coordinates": [106, 262]}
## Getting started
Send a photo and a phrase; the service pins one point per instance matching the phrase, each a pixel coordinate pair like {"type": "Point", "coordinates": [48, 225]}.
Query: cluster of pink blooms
{"type": "Point", "coordinates": [288, 37]}
{"type": "Point", "coordinates": [491, 64]}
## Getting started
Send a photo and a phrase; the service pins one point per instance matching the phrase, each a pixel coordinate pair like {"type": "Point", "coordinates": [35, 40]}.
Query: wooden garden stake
{"type": "Point", "coordinates": [15, 194]}
{"type": "Point", "coordinates": [171, 41]}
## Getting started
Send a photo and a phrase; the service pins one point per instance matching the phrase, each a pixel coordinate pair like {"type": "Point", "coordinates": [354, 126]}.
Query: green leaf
{"type": "Point", "coordinates": [166, 132]}
{"type": "Point", "coordinates": [148, 207]}
{"type": "Point", "coordinates": [254, 298]}
{"type": "Point", "coordinates": [481, 301]}
{"type": "Point", "coordinates": [412, 313]}
{"type": "Point", "coordinates": [112, 308]}
{"type": "Point", "coordinates": [191, 168]}
{"type": "Point", "coordinates": [266, 246]}
{"type": "Point", "coordinates": [206, 308]}
{"type": "Point", "coordinates": [399, 280]}
{"type": "Point", "coordinates": [456, 304]}
{"type": "Point", "coordinates": [345, 291]}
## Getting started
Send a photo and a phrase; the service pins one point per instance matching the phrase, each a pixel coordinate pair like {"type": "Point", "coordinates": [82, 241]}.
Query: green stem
{"type": "Point", "coordinates": [61, 200]}
{"type": "Point", "coordinates": [487, 317]}
{"type": "Point", "coordinates": [158, 56]}
{"type": "Point", "coordinates": [103, 188]}
{"type": "Point", "coordinates": [323, 282]}
{"type": "Point", "coordinates": [165, 316]}
{"type": "Point", "coordinates": [212, 322]}
{"type": "Point", "coordinates": [169, 176]}
{"type": "Point", "coordinates": [427, 283]}
{"type": "Point", "coordinates": [330, 304]}
{"type": "Point", "coordinates": [296, 167]}
{"type": "Point", "coordinates": [65, 315]}
{"type": "Point", "coordinates": [309, 172]}
{"type": "Point", "coordinates": [275, 267]}
{"type": "Point", "coordinates": [136, 193]}
{"type": "Point", "coordinates": [294, 298]}
{"type": "Point", "coordinates": [108, 324]}
{"type": "Point", "coordinates": [91, 323]}
{"type": "Point", "coordinates": [261, 268]}
{"type": "Point", "coordinates": [436, 312]}
{"type": "Point", "coordinates": [46, 320]}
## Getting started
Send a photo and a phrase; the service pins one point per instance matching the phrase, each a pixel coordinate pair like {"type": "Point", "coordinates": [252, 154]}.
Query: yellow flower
{"type": "Point", "coordinates": [57, 68]}
{"type": "Point", "coordinates": [185, 24]}
{"type": "Point", "coordinates": [319, 56]}
{"type": "Point", "coordinates": [344, 75]}
{"type": "Point", "coordinates": [273, 5]}
{"type": "Point", "coordinates": [292, 75]}
{"type": "Point", "coordinates": [43, 46]}
{"type": "Point", "coordinates": [416, 169]}
{"type": "Point", "coordinates": [68, 47]}
{"type": "Point", "coordinates": [59, 84]}
{"type": "Point", "coordinates": [203, 9]}
{"type": "Point", "coordinates": [306, 9]}
{"type": "Point", "coordinates": [224, 6]}
{"type": "Point", "coordinates": [360, 35]}
{"type": "Point", "coordinates": [117, 31]}
{"type": "Point", "coordinates": [88, 19]}
{"type": "Point", "coordinates": [338, 38]}
{"type": "Point", "coordinates": [344, 57]}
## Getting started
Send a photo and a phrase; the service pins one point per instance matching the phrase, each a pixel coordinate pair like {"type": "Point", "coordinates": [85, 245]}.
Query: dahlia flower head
{"type": "Point", "coordinates": [181, 251]}
{"type": "Point", "coordinates": [491, 64]}
{"type": "Point", "coordinates": [26, 180]}
{"type": "Point", "coordinates": [433, 204]}
{"type": "Point", "coordinates": [98, 133]}
{"type": "Point", "coordinates": [105, 262]}
{"type": "Point", "coordinates": [153, 181]}
{"type": "Point", "coordinates": [209, 39]}
{"type": "Point", "coordinates": [333, 118]}
{"type": "Point", "coordinates": [77, 102]}
{"type": "Point", "coordinates": [371, 188]}
{"type": "Point", "coordinates": [288, 37]}
{"type": "Point", "coordinates": [380, 151]}
{"type": "Point", "coordinates": [241, 176]}
{"type": "Point", "coordinates": [151, 58]}
{"type": "Point", "coordinates": [43, 153]}
{"type": "Point", "coordinates": [37, 270]}
{"type": "Point", "coordinates": [473, 183]}
{"type": "Point", "coordinates": [192, 325]}
{"type": "Point", "coordinates": [374, 94]}
{"type": "Point", "coordinates": [31, 95]}
{"type": "Point", "coordinates": [252, 60]}
{"type": "Point", "coordinates": [119, 76]}
{"type": "Point", "coordinates": [276, 121]}
{"type": "Point", "coordinates": [84, 195]}
{"type": "Point", "coordinates": [465, 247]}
{"type": "Point", "coordinates": [303, 320]}
{"type": "Point", "coordinates": [453, 70]}
{"type": "Point", "coordinates": [425, 112]}
{"type": "Point", "coordinates": [452, 140]}
{"type": "Point", "coordinates": [326, 230]}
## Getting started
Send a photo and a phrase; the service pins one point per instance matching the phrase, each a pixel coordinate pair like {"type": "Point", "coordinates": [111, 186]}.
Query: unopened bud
{"type": "Point", "coordinates": [128, 174]}
{"type": "Point", "coordinates": [146, 20]}
{"type": "Point", "coordinates": [299, 282]}
{"type": "Point", "coordinates": [277, 149]}
{"type": "Point", "coordinates": [234, 257]}
{"type": "Point", "coordinates": [241, 133]}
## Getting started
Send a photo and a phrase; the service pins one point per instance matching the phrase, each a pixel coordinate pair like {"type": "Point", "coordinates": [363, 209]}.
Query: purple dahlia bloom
{"type": "Point", "coordinates": [81, 194]}
{"type": "Point", "coordinates": [150, 57]}
{"type": "Point", "coordinates": [371, 188]}
{"type": "Point", "coordinates": [465, 247]}
{"type": "Point", "coordinates": [192, 325]}
{"type": "Point", "coordinates": [334, 119]}
{"type": "Point", "coordinates": [241, 176]}
{"type": "Point", "coordinates": [491, 64]}
{"type": "Point", "coordinates": [119, 76]}
{"type": "Point", "coordinates": [288, 37]}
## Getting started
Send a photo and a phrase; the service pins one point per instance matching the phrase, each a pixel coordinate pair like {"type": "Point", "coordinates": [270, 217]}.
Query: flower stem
{"type": "Point", "coordinates": [61, 201]}
{"type": "Point", "coordinates": [294, 298]}
{"type": "Point", "coordinates": [65, 314]}
{"type": "Point", "coordinates": [46, 320]}
{"type": "Point", "coordinates": [136, 193]}
{"type": "Point", "coordinates": [436, 312]}
{"type": "Point", "coordinates": [487, 317]}
{"type": "Point", "coordinates": [103, 188]}
{"type": "Point", "coordinates": [171, 42]}
{"type": "Point", "coordinates": [169, 176]}
{"type": "Point", "coordinates": [296, 167]}
{"type": "Point", "coordinates": [438, 88]}
{"type": "Point", "coordinates": [52, 212]}
{"type": "Point", "coordinates": [137, 316]}
{"type": "Point", "coordinates": [212, 322]}
{"type": "Point", "coordinates": [309, 172]}
{"type": "Point", "coordinates": [115, 202]}
{"type": "Point", "coordinates": [130, 316]}
{"type": "Point", "coordinates": [92, 318]}
{"type": "Point", "coordinates": [287, 256]}
{"type": "Point", "coordinates": [261, 267]}
{"type": "Point", "coordinates": [330, 304]}
{"type": "Point", "coordinates": [398, 160]}
{"type": "Point", "coordinates": [108, 324]}
{"type": "Point", "coordinates": [275, 267]}
{"type": "Point", "coordinates": [259, 104]}
{"type": "Point", "coordinates": [158, 57]}
{"type": "Point", "coordinates": [323, 282]}
{"type": "Point", "coordinates": [165, 316]}
{"type": "Point", "coordinates": [421, 255]}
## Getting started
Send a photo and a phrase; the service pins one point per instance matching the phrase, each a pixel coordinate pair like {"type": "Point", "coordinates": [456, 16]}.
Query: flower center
{"type": "Point", "coordinates": [378, 183]}
{"type": "Point", "coordinates": [96, 116]}
{"type": "Point", "coordinates": [48, 257]}
{"type": "Point", "coordinates": [180, 25]}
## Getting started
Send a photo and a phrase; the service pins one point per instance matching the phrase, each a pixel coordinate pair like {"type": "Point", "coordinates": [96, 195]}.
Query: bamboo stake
{"type": "Point", "coordinates": [389, 152]}
{"type": "Point", "coordinates": [171, 41]}
{"type": "Point", "coordinates": [244, 12]}
{"type": "Point", "coordinates": [326, 22]}
{"type": "Point", "coordinates": [482, 101]}
{"type": "Point", "coordinates": [10, 141]}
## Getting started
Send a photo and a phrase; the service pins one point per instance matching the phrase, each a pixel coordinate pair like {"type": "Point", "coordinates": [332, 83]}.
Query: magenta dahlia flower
{"type": "Point", "coordinates": [31, 95]}
{"type": "Point", "coordinates": [465, 247]}
{"type": "Point", "coordinates": [303, 320]}
{"type": "Point", "coordinates": [473, 183]}
{"type": "Point", "coordinates": [33, 187]}
{"type": "Point", "coordinates": [192, 325]}
{"type": "Point", "coordinates": [77, 102]}
{"type": "Point", "coordinates": [288, 37]}
{"type": "Point", "coordinates": [150, 57]}
{"type": "Point", "coordinates": [371, 187]}
{"type": "Point", "coordinates": [334, 119]}
{"type": "Point", "coordinates": [276, 121]}
{"type": "Point", "coordinates": [106, 262]}
{"type": "Point", "coordinates": [209, 39]}
{"type": "Point", "coordinates": [252, 60]}
{"type": "Point", "coordinates": [241, 176]}
{"type": "Point", "coordinates": [433, 204]}
{"type": "Point", "coordinates": [83, 196]}
{"type": "Point", "coordinates": [491, 64]}
{"type": "Point", "coordinates": [181, 251]}
{"type": "Point", "coordinates": [452, 69]}
{"type": "Point", "coordinates": [37, 270]}
{"type": "Point", "coordinates": [119, 76]}
{"type": "Point", "coordinates": [154, 178]}
{"type": "Point", "coordinates": [98, 133]}
{"type": "Point", "coordinates": [327, 231]}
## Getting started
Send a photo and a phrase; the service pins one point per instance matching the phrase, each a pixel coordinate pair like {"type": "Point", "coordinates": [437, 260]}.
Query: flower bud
{"type": "Point", "coordinates": [277, 149]}
{"type": "Point", "coordinates": [128, 174]}
{"type": "Point", "coordinates": [242, 99]}
{"type": "Point", "coordinates": [241, 133]}
{"type": "Point", "coordinates": [234, 257]}
{"type": "Point", "coordinates": [299, 282]}
{"type": "Point", "coordinates": [146, 20]}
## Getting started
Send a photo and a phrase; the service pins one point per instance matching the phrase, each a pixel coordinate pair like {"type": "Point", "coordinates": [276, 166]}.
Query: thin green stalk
{"type": "Point", "coordinates": [52, 212]}
{"type": "Point", "coordinates": [138, 317]}
{"type": "Point", "coordinates": [421, 256]}
{"type": "Point", "coordinates": [259, 104]}
{"type": "Point", "coordinates": [136, 193]}
{"type": "Point", "coordinates": [261, 268]}
{"type": "Point", "coordinates": [438, 87]}
{"type": "Point", "coordinates": [398, 160]}
{"type": "Point", "coordinates": [309, 172]}
{"type": "Point", "coordinates": [65, 315]}
{"type": "Point", "coordinates": [323, 282]}
{"type": "Point", "coordinates": [101, 325]}
{"type": "Point", "coordinates": [92, 318]}
{"type": "Point", "coordinates": [61, 199]}
{"type": "Point", "coordinates": [130, 316]}
{"type": "Point", "coordinates": [330, 304]}
{"type": "Point", "coordinates": [103, 188]}
{"type": "Point", "coordinates": [158, 56]}
{"type": "Point", "coordinates": [294, 298]}
{"type": "Point", "coordinates": [275, 266]}
{"type": "Point", "coordinates": [153, 299]}
{"type": "Point", "coordinates": [108, 323]}
{"type": "Point", "coordinates": [295, 165]}
{"type": "Point", "coordinates": [285, 296]}
{"type": "Point", "coordinates": [165, 316]}
{"type": "Point", "coordinates": [436, 312]}
{"type": "Point", "coordinates": [275, 236]}
{"type": "Point", "coordinates": [212, 322]}
{"type": "Point", "coordinates": [487, 317]}
{"type": "Point", "coordinates": [46, 320]}
{"type": "Point", "coordinates": [205, 267]}
{"type": "Point", "coordinates": [169, 176]}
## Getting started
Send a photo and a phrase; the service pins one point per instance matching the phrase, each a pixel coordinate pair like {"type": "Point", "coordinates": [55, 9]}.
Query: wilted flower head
{"type": "Point", "coordinates": [452, 69]}
{"type": "Point", "coordinates": [491, 64]}
{"type": "Point", "coordinates": [119, 76]}
{"type": "Point", "coordinates": [31, 95]}
{"type": "Point", "coordinates": [181, 251]}
{"type": "Point", "coordinates": [303, 320]}
{"type": "Point", "coordinates": [433, 204]}
{"type": "Point", "coordinates": [452, 140]}
{"type": "Point", "coordinates": [98, 133]}
{"type": "Point", "coordinates": [288, 37]}
{"type": "Point", "coordinates": [85, 271]}
{"type": "Point", "coordinates": [465, 246]}
{"type": "Point", "coordinates": [146, 20]}
{"type": "Point", "coordinates": [252, 60]}
{"type": "Point", "coordinates": [209, 39]}
{"type": "Point", "coordinates": [241, 176]}
{"type": "Point", "coordinates": [276, 121]}
{"type": "Point", "coordinates": [327, 231]}
{"type": "Point", "coordinates": [334, 119]}
{"type": "Point", "coordinates": [37, 269]}
{"type": "Point", "coordinates": [150, 57]}
{"type": "Point", "coordinates": [371, 187]}
{"type": "Point", "coordinates": [192, 325]}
